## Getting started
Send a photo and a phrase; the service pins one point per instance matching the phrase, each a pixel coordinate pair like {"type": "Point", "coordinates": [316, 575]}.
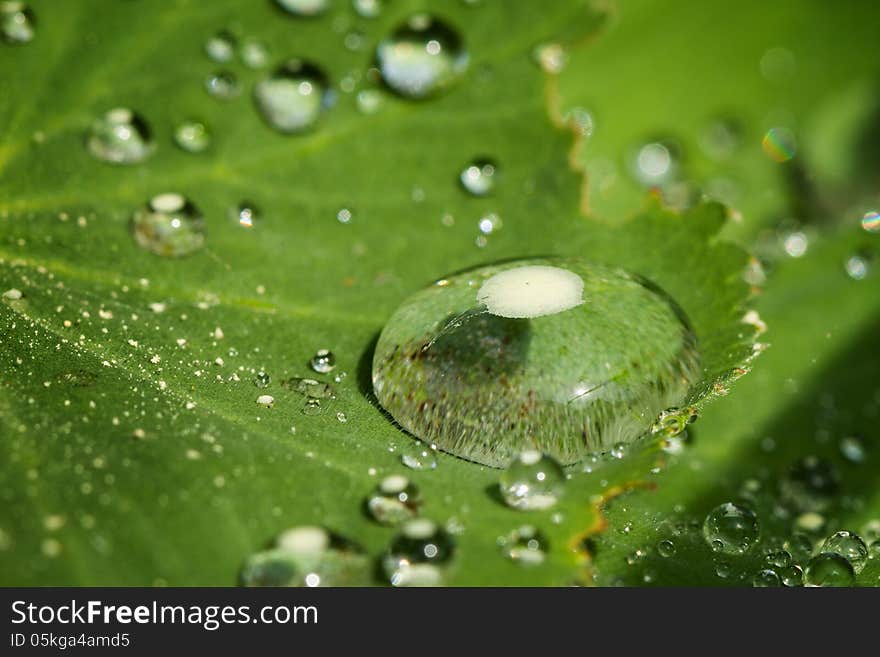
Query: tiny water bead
{"type": "Point", "coordinates": [829, 569]}
{"type": "Point", "coordinates": [848, 545]}
{"type": "Point", "coordinates": [304, 7]}
{"type": "Point", "coordinates": [223, 85]}
{"type": "Point", "coordinates": [395, 499]}
{"type": "Point", "coordinates": [120, 136]}
{"type": "Point", "coordinates": [221, 47]}
{"type": "Point", "coordinates": [418, 554]}
{"type": "Point", "coordinates": [779, 144]}
{"type": "Point", "coordinates": [245, 214]}
{"type": "Point", "coordinates": [526, 545]}
{"type": "Point", "coordinates": [731, 529]}
{"type": "Point", "coordinates": [422, 57]}
{"type": "Point", "coordinates": [479, 176]}
{"type": "Point", "coordinates": [17, 22]}
{"type": "Point", "coordinates": [192, 136]}
{"type": "Point", "coordinates": [307, 556]}
{"type": "Point", "coordinates": [294, 96]}
{"type": "Point", "coordinates": [558, 355]}
{"type": "Point", "coordinates": [169, 225]}
{"type": "Point", "coordinates": [323, 361]}
{"type": "Point", "coordinates": [419, 459]}
{"type": "Point", "coordinates": [533, 481]}
{"type": "Point", "coordinates": [871, 221]}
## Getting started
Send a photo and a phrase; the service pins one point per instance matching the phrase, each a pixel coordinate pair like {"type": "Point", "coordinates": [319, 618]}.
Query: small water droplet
{"type": "Point", "coordinates": [766, 578]}
{"type": "Point", "coordinates": [17, 22]}
{"type": "Point", "coordinates": [666, 548]}
{"type": "Point", "coordinates": [323, 361]}
{"type": "Point", "coordinates": [169, 225]}
{"type": "Point", "coordinates": [856, 267]}
{"type": "Point", "coordinates": [795, 243]}
{"type": "Point", "coordinates": [779, 144]}
{"type": "Point", "coordinates": [192, 136]}
{"type": "Point", "coordinates": [533, 481]}
{"type": "Point", "coordinates": [422, 57]}
{"type": "Point", "coordinates": [479, 176]}
{"type": "Point", "coordinates": [656, 162]}
{"type": "Point", "coordinates": [245, 214]}
{"type": "Point", "coordinates": [344, 216]}
{"type": "Point", "coordinates": [307, 556]}
{"type": "Point", "coordinates": [792, 575]}
{"type": "Point", "coordinates": [309, 388]}
{"type": "Point", "coordinates": [551, 57]}
{"type": "Point", "coordinates": [853, 449]}
{"type": "Point", "coordinates": [778, 558]}
{"type": "Point", "coordinates": [848, 545]}
{"type": "Point", "coordinates": [120, 136]}
{"type": "Point", "coordinates": [221, 47]}
{"type": "Point", "coordinates": [341, 417]}
{"type": "Point", "coordinates": [871, 221]}
{"type": "Point", "coordinates": [367, 8]}
{"type": "Point", "coordinates": [489, 223]}
{"type": "Point", "coordinates": [731, 529]}
{"type": "Point", "coordinates": [294, 96]}
{"type": "Point", "coordinates": [369, 101]}
{"type": "Point", "coordinates": [312, 407]}
{"type": "Point", "coordinates": [474, 365]}
{"type": "Point", "coordinates": [419, 459]}
{"type": "Point", "coordinates": [525, 545]}
{"type": "Point", "coordinates": [395, 500]}
{"type": "Point", "coordinates": [262, 379]}
{"type": "Point", "coordinates": [223, 85]}
{"type": "Point", "coordinates": [266, 400]}
{"type": "Point", "coordinates": [829, 569]}
{"type": "Point", "coordinates": [418, 554]}
{"type": "Point", "coordinates": [304, 7]}
{"type": "Point", "coordinates": [253, 53]}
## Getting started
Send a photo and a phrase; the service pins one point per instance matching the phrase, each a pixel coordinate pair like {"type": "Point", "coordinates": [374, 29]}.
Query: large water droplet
{"type": "Point", "coordinates": [304, 7]}
{"type": "Point", "coordinates": [848, 545]}
{"type": "Point", "coordinates": [533, 481]}
{"type": "Point", "coordinates": [395, 499]}
{"type": "Point", "coordinates": [293, 97]}
{"type": "Point", "coordinates": [421, 57]}
{"type": "Point", "coordinates": [731, 529]}
{"type": "Point", "coordinates": [479, 176]}
{"type": "Point", "coordinates": [828, 569]}
{"type": "Point", "coordinates": [307, 556]}
{"type": "Point", "coordinates": [169, 225]}
{"type": "Point", "coordinates": [192, 136]}
{"type": "Point", "coordinates": [17, 22]}
{"type": "Point", "coordinates": [120, 136]}
{"type": "Point", "coordinates": [418, 554]}
{"type": "Point", "coordinates": [560, 355]}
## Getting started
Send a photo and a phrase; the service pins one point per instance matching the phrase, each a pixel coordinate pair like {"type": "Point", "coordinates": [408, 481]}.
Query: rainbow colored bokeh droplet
{"type": "Point", "coordinates": [871, 221]}
{"type": "Point", "coordinates": [779, 144]}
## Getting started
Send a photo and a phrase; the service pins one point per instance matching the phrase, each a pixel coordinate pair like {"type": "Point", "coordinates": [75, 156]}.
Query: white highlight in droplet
{"type": "Point", "coordinates": [531, 291]}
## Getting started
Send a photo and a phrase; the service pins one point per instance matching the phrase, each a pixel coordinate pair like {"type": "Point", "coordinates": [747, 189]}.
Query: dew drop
{"type": "Point", "coordinates": [223, 85]}
{"type": "Point", "coordinates": [792, 575]}
{"type": "Point", "coordinates": [192, 136]}
{"type": "Point", "coordinates": [551, 57]}
{"type": "Point", "coordinates": [120, 136]}
{"type": "Point", "coordinates": [778, 558]}
{"type": "Point", "coordinates": [369, 101]}
{"type": "Point", "coordinates": [525, 545]}
{"type": "Point", "coordinates": [253, 53]}
{"type": "Point", "coordinates": [766, 578]}
{"type": "Point", "coordinates": [419, 459]}
{"type": "Point", "coordinates": [828, 569]}
{"type": "Point", "coordinates": [666, 548]}
{"type": "Point", "coordinates": [220, 47]}
{"type": "Point", "coordinates": [395, 500]}
{"type": "Point", "coordinates": [418, 555]}
{"type": "Point", "coordinates": [853, 449]}
{"type": "Point", "coordinates": [479, 176]}
{"type": "Point", "coordinates": [293, 97]}
{"type": "Point", "coordinates": [533, 481]}
{"type": "Point", "coordinates": [309, 388]}
{"type": "Point", "coordinates": [779, 144]}
{"type": "Point", "coordinates": [848, 545]}
{"type": "Point", "coordinates": [304, 7]}
{"type": "Point", "coordinates": [561, 355]}
{"type": "Point", "coordinates": [262, 379]}
{"type": "Point", "coordinates": [856, 267]}
{"type": "Point", "coordinates": [266, 400]}
{"type": "Point", "coordinates": [323, 361]}
{"type": "Point", "coordinates": [731, 529]}
{"type": "Point", "coordinates": [17, 22]}
{"type": "Point", "coordinates": [168, 225]}
{"type": "Point", "coordinates": [422, 57]}
{"type": "Point", "coordinates": [307, 557]}
{"type": "Point", "coordinates": [245, 214]}
{"type": "Point", "coordinates": [367, 8]}
{"type": "Point", "coordinates": [871, 221]}
{"type": "Point", "coordinates": [312, 407]}
{"type": "Point", "coordinates": [655, 163]}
